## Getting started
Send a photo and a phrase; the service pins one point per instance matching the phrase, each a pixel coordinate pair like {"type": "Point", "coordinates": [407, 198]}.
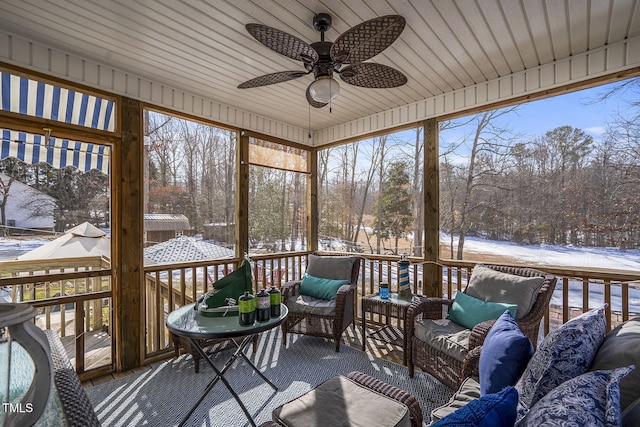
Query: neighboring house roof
{"type": "Point", "coordinates": [166, 222]}
{"type": "Point", "coordinates": [182, 249]}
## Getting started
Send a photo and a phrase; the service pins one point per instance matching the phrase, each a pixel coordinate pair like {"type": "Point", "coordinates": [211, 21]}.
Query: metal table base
{"type": "Point", "coordinates": [220, 376]}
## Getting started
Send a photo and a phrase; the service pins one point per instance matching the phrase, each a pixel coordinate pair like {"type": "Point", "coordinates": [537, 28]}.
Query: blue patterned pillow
{"type": "Point", "coordinates": [491, 410]}
{"type": "Point", "coordinates": [564, 354]}
{"type": "Point", "coordinates": [591, 399]}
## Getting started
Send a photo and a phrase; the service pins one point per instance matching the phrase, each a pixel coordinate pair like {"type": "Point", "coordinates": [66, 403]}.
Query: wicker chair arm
{"type": "Point", "coordinates": [530, 323]}
{"type": "Point", "coordinates": [470, 366]}
{"type": "Point", "coordinates": [429, 308]}
{"type": "Point", "coordinates": [270, 424]}
{"type": "Point", "coordinates": [395, 393]}
{"type": "Point", "coordinates": [344, 304]}
{"type": "Point", "coordinates": [290, 289]}
{"type": "Point", "coordinates": [344, 289]}
{"type": "Point", "coordinates": [479, 333]}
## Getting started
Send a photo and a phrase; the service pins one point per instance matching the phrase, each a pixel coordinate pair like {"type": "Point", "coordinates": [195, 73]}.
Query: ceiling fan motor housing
{"type": "Point", "coordinates": [324, 66]}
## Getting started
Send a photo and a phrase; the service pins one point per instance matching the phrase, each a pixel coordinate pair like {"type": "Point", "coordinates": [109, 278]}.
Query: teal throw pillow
{"type": "Point", "coordinates": [318, 287]}
{"type": "Point", "coordinates": [491, 410]}
{"type": "Point", "coordinates": [469, 311]}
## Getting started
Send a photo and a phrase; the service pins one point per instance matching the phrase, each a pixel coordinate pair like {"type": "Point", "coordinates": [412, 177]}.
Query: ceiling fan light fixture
{"type": "Point", "coordinates": [324, 89]}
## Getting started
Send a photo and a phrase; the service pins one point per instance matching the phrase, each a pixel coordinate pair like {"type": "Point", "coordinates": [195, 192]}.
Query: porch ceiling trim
{"type": "Point", "coordinates": [610, 59]}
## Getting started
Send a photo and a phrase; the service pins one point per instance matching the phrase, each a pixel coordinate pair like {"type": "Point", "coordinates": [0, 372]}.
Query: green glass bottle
{"type": "Point", "coordinates": [275, 297]}
{"type": "Point", "coordinates": [247, 309]}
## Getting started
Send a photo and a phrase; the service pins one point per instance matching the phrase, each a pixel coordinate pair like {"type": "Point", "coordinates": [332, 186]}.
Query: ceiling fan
{"type": "Point", "coordinates": [344, 57]}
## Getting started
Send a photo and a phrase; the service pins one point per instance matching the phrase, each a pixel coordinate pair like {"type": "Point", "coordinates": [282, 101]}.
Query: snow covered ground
{"type": "Point", "coordinates": [10, 249]}
{"type": "Point", "coordinates": [565, 256]}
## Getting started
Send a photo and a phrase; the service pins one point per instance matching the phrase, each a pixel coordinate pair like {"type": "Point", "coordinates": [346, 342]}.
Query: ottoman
{"type": "Point", "coordinates": [354, 400]}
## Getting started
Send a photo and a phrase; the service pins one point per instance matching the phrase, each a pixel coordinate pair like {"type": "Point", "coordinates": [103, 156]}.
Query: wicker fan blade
{"type": "Point", "coordinates": [269, 79]}
{"type": "Point", "coordinates": [372, 75]}
{"type": "Point", "coordinates": [313, 102]}
{"type": "Point", "coordinates": [368, 39]}
{"type": "Point", "coordinates": [283, 43]}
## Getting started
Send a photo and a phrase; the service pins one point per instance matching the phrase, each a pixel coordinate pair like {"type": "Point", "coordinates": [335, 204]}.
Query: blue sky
{"type": "Point", "coordinates": [579, 109]}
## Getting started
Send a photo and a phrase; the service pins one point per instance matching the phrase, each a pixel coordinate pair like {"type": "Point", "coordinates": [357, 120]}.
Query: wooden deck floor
{"type": "Point", "coordinates": [97, 345]}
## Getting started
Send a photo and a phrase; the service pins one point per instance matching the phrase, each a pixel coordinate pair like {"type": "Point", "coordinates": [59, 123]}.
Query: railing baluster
{"type": "Point", "coordinates": [625, 301]}
{"type": "Point", "coordinates": [157, 313]}
{"type": "Point", "coordinates": [607, 300]}
{"type": "Point", "coordinates": [565, 299]}
{"type": "Point", "coordinates": [585, 295]}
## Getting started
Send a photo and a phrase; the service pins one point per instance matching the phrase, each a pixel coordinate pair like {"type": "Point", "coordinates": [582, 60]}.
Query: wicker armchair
{"type": "Point", "coordinates": [443, 365]}
{"type": "Point", "coordinates": [322, 318]}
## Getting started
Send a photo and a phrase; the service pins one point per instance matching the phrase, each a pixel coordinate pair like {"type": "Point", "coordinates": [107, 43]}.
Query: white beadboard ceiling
{"type": "Point", "coordinates": [202, 47]}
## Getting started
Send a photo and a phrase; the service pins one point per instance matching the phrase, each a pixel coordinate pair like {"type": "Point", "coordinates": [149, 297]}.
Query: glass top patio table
{"type": "Point", "coordinates": [188, 323]}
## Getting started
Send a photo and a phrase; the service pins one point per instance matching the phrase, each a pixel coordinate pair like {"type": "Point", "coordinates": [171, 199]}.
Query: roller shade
{"type": "Point", "coordinates": [34, 98]}
{"type": "Point", "coordinates": [57, 152]}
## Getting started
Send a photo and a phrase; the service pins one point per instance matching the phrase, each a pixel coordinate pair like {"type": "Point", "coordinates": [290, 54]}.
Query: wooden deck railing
{"type": "Point", "coordinates": [87, 293]}
{"type": "Point", "coordinates": [190, 280]}
{"type": "Point", "coordinates": [578, 290]}
{"type": "Point", "coordinates": [72, 296]}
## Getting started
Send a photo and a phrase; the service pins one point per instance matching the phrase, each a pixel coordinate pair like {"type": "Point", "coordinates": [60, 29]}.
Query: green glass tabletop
{"type": "Point", "coordinates": [187, 322]}
{"type": "Point", "coordinates": [393, 298]}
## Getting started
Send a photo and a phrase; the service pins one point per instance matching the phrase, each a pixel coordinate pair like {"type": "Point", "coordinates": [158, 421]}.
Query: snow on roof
{"type": "Point", "coordinates": [163, 222]}
{"type": "Point", "coordinates": [182, 249]}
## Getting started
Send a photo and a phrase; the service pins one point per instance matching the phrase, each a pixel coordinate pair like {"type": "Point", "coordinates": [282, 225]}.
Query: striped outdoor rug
{"type": "Point", "coordinates": [162, 394]}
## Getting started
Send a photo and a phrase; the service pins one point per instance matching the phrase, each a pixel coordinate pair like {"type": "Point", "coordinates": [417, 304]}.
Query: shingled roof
{"type": "Point", "coordinates": [182, 249]}
{"type": "Point", "coordinates": [166, 222]}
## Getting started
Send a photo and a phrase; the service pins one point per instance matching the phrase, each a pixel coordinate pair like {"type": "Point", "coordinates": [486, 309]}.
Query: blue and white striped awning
{"type": "Point", "coordinates": [34, 98]}
{"type": "Point", "coordinates": [44, 100]}
{"type": "Point", "coordinates": [58, 152]}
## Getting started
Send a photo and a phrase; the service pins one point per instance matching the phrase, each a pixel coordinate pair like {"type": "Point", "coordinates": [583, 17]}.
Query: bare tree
{"type": "Point", "coordinates": [488, 148]}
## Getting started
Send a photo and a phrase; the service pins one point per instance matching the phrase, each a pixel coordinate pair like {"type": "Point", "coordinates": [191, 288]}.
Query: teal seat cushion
{"type": "Point", "coordinates": [468, 311]}
{"type": "Point", "coordinates": [318, 287]}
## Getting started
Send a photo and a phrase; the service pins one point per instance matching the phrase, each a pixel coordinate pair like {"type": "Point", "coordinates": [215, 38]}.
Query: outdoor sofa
{"type": "Point", "coordinates": [572, 379]}
{"type": "Point", "coordinates": [578, 376]}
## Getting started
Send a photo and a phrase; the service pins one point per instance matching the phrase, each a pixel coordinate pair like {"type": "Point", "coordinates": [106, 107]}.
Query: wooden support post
{"type": "Point", "coordinates": [127, 234]}
{"type": "Point", "coordinates": [312, 201]}
{"type": "Point", "coordinates": [242, 195]}
{"type": "Point", "coordinates": [432, 272]}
